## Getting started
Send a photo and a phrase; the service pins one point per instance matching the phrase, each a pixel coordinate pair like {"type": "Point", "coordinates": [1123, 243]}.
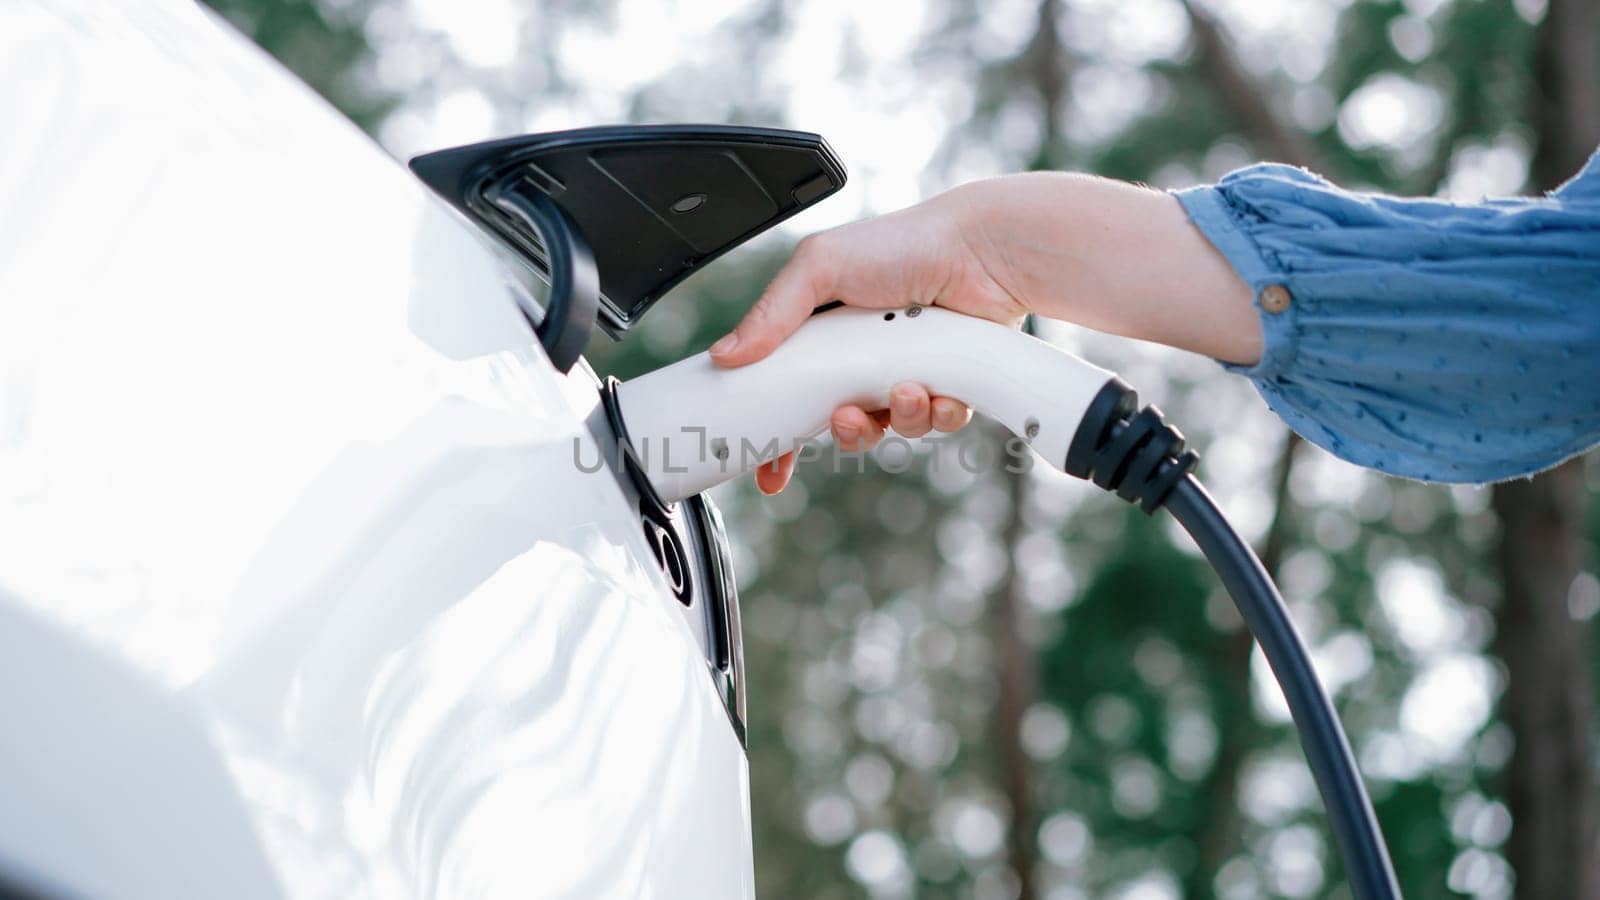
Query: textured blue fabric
{"type": "Point", "coordinates": [1431, 340]}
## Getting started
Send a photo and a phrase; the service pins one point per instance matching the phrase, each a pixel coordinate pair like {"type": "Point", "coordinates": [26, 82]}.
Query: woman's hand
{"type": "Point", "coordinates": [1107, 255]}
{"type": "Point", "coordinates": [916, 256]}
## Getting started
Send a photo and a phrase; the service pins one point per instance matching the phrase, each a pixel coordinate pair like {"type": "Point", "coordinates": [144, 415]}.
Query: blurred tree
{"type": "Point", "coordinates": [1259, 116]}
{"type": "Point", "coordinates": [325, 44]}
{"type": "Point", "coordinates": [1549, 697]}
{"type": "Point", "coordinates": [1042, 68]}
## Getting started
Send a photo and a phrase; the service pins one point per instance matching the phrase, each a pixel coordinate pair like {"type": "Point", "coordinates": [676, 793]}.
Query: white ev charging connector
{"type": "Point", "coordinates": [692, 425]}
{"type": "Point", "coordinates": [695, 425]}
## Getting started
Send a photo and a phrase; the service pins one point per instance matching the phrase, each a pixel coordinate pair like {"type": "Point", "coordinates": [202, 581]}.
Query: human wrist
{"type": "Point", "coordinates": [982, 219]}
{"type": "Point", "coordinates": [1021, 229]}
{"type": "Point", "coordinates": [1111, 256]}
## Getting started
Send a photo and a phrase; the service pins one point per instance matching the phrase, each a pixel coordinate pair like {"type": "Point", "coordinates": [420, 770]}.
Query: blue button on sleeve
{"type": "Point", "coordinates": [1431, 340]}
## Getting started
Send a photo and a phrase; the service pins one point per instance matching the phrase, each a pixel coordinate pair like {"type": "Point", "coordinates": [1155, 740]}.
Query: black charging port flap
{"type": "Point", "coordinates": [652, 203]}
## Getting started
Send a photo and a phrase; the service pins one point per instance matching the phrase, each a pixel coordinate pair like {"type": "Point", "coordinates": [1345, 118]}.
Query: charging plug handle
{"type": "Point", "coordinates": [694, 424]}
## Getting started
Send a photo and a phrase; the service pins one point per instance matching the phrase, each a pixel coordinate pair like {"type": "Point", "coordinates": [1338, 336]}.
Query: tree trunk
{"type": "Point", "coordinates": [1566, 107]}
{"type": "Point", "coordinates": [1044, 65]}
{"type": "Point", "coordinates": [1247, 103]}
{"type": "Point", "coordinates": [1549, 697]}
{"type": "Point", "coordinates": [1016, 661]}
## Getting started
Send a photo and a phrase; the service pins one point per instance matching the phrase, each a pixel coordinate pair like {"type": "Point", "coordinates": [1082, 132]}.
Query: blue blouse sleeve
{"type": "Point", "coordinates": [1431, 340]}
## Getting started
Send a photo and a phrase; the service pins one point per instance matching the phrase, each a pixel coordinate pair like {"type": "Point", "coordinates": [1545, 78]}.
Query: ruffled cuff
{"type": "Point", "coordinates": [1221, 225]}
{"type": "Point", "coordinates": [1435, 341]}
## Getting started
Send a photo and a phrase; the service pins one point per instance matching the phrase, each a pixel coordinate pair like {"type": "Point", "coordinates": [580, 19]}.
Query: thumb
{"type": "Point", "coordinates": [788, 301]}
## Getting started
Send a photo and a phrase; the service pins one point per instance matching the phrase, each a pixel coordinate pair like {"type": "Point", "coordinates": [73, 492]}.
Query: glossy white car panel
{"type": "Point", "coordinates": [280, 458]}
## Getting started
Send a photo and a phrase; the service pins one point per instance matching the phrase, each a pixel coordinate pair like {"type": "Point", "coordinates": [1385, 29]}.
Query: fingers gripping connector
{"type": "Point", "coordinates": [1129, 451]}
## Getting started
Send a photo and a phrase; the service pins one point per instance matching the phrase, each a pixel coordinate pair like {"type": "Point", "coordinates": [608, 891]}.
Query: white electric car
{"type": "Point", "coordinates": [311, 581]}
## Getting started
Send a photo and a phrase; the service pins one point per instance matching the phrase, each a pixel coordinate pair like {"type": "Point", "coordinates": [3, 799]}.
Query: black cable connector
{"type": "Point", "coordinates": [1135, 454]}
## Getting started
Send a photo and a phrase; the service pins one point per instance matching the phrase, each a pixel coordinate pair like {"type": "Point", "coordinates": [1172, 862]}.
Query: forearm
{"type": "Point", "coordinates": [1109, 256]}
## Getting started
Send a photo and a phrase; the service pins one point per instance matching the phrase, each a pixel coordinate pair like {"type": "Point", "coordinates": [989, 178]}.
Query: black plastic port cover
{"type": "Point", "coordinates": [655, 202]}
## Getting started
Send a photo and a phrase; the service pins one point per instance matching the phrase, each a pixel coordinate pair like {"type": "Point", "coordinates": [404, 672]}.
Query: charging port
{"type": "Point", "coordinates": [669, 553]}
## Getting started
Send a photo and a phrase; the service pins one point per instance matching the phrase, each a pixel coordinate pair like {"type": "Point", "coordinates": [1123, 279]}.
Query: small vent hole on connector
{"type": "Point", "coordinates": [888, 317]}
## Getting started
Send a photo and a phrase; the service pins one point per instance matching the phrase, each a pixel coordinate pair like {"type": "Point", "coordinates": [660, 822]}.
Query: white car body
{"type": "Point", "coordinates": [301, 591]}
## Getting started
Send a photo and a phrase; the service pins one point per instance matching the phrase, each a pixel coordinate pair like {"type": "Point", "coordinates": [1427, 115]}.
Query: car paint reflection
{"type": "Point", "coordinates": [276, 440]}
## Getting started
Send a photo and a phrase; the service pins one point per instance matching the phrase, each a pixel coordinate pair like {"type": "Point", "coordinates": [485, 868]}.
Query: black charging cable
{"type": "Point", "coordinates": [1136, 455]}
